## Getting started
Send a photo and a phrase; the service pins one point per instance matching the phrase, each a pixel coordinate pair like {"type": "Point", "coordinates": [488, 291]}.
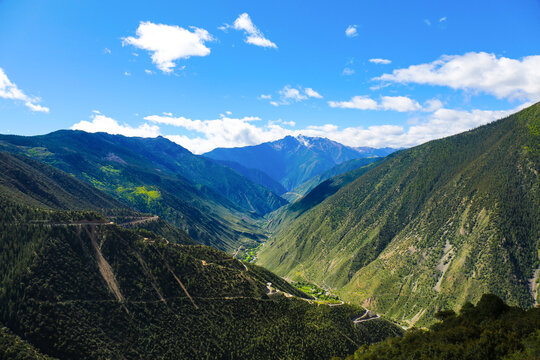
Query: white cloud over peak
{"type": "Point", "coordinates": [9, 90]}
{"type": "Point", "coordinates": [254, 36]}
{"type": "Point", "coordinates": [169, 43]}
{"type": "Point", "coordinates": [102, 123]}
{"type": "Point", "coordinates": [231, 132]}
{"type": "Point", "coordinates": [351, 31]}
{"type": "Point", "coordinates": [477, 71]}
{"type": "Point", "coordinates": [364, 102]}
{"type": "Point", "coordinates": [222, 132]}
{"type": "Point", "coordinates": [380, 61]}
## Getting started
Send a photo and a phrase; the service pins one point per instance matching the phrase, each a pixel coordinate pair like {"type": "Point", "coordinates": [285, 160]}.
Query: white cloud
{"type": "Point", "coordinates": [102, 123]}
{"type": "Point", "coordinates": [289, 123]}
{"type": "Point", "coordinates": [289, 95]}
{"type": "Point", "coordinates": [265, 97]}
{"type": "Point", "coordinates": [347, 71]}
{"type": "Point", "coordinates": [395, 103]}
{"type": "Point", "coordinates": [127, 73]}
{"type": "Point", "coordinates": [149, 72]}
{"type": "Point", "coordinates": [229, 132]}
{"type": "Point", "coordinates": [106, 51]}
{"type": "Point", "coordinates": [312, 93]}
{"type": "Point", "coordinates": [228, 112]}
{"type": "Point", "coordinates": [254, 35]}
{"type": "Point", "coordinates": [168, 43]}
{"type": "Point", "coordinates": [427, 22]}
{"type": "Point", "coordinates": [482, 72]}
{"type": "Point", "coordinates": [443, 19]}
{"type": "Point", "coordinates": [432, 105]}
{"type": "Point", "coordinates": [222, 132]}
{"type": "Point", "coordinates": [399, 103]}
{"type": "Point", "coordinates": [356, 102]}
{"type": "Point", "coordinates": [380, 61]}
{"type": "Point", "coordinates": [351, 31]}
{"type": "Point", "coordinates": [9, 90]}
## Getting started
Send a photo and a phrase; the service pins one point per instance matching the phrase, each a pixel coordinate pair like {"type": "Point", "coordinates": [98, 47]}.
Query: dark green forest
{"type": "Point", "coordinates": [491, 330]}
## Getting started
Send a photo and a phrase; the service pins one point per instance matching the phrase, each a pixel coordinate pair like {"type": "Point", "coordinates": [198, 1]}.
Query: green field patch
{"type": "Point", "coordinates": [322, 295]}
{"type": "Point", "coordinates": [38, 152]}
{"type": "Point", "coordinates": [109, 170]}
{"type": "Point", "coordinates": [132, 193]}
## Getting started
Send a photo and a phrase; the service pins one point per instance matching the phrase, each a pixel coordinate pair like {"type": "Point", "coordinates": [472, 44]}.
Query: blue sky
{"type": "Point", "coordinates": [214, 73]}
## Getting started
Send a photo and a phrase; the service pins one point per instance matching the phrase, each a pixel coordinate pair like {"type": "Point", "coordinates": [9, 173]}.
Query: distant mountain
{"type": "Point", "coordinates": [293, 160]}
{"type": "Point", "coordinates": [342, 168]}
{"type": "Point", "coordinates": [426, 228]}
{"type": "Point", "coordinates": [255, 175]}
{"type": "Point", "coordinates": [375, 152]}
{"type": "Point", "coordinates": [213, 203]}
{"type": "Point", "coordinates": [75, 286]}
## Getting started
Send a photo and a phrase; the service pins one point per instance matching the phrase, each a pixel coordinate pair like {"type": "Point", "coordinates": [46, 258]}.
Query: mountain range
{"type": "Point", "coordinates": [213, 203]}
{"type": "Point", "coordinates": [294, 160]}
{"type": "Point", "coordinates": [118, 247]}
{"type": "Point", "coordinates": [427, 228]}
{"type": "Point", "coordinates": [111, 282]}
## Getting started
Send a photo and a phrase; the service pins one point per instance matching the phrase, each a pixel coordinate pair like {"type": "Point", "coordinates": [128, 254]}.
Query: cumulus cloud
{"type": "Point", "coordinates": [351, 31]}
{"type": "Point", "coordinates": [312, 93]}
{"type": "Point", "coordinates": [222, 132]}
{"type": "Point", "coordinates": [477, 71]}
{"type": "Point", "coordinates": [254, 36]}
{"type": "Point", "coordinates": [265, 97]}
{"type": "Point", "coordinates": [364, 102]}
{"type": "Point", "coordinates": [380, 61]}
{"type": "Point", "coordinates": [231, 132]}
{"type": "Point", "coordinates": [169, 43]}
{"type": "Point", "coordinates": [9, 90]}
{"type": "Point", "coordinates": [102, 123]}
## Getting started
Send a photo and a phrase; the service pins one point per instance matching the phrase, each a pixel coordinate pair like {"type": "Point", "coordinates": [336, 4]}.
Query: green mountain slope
{"type": "Point", "coordinates": [342, 168]}
{"type": "Point", "coordinates": [151, 175]}
{"type": "Point", "coordinates": [255, 175]}
{"type": "Point", "coordinates": [282, 217]}
{"type": "Point", "coordinates": [77, 151]}
{"type": "Point", "coordinates": [433, 226]}
{"type": "Point", "coordinates": [31, 182]}
{"type": "Point", "coordinates": [75, 286]}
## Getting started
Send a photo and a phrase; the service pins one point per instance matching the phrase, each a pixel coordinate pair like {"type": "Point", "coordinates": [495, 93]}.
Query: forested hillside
{"type": "Point", "coordinates": [491, 330]}
{"type": "Point", "coordinates": [214, 204]}
{"type": "Point", "coordinates": [76, 286]}
{"type": "Point", "coordinates": [430, 227]}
